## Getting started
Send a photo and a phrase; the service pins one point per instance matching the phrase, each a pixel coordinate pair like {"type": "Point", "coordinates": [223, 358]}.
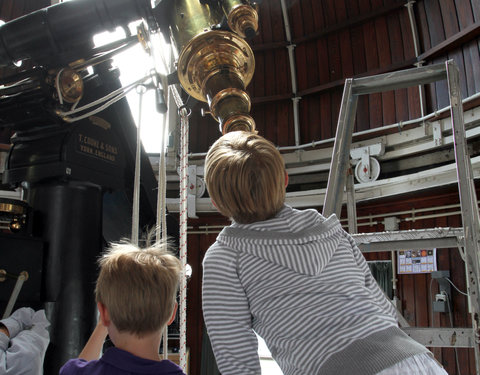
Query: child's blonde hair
{"type": "Point", "coordinates": [245, 177]}
{"type": "Point", "coordinates": [138, 286]}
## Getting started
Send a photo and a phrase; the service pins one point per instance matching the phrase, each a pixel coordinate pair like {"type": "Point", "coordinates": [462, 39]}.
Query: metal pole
{"type": "Point", "coordinates": [351, 207]}
{"type": "Point", "coordinates": [413, 26]}
{"type": "Point", "coordinates": [399, 80]}
{"type": "Point", "coordinates": [136, 180]}
{"type": "Point", "coordinates": [468, 200]}
{"type": "Point", "coordinates": [293, 71]}
{"type": "Point", "coordinates": [341, 152]}
{"type": "Point", "coordinates": [16, 291]}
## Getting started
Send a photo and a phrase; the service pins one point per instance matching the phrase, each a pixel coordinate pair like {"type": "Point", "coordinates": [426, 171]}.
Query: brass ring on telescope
{"type": "Point", "coordinates": [229, 92]}
{"type": "Point", "coordinates": [211, 52]}
{"type": "Point", "coordinates": [234, 123]}
{"type": "Point", "coordinates": [241, 18]}
{"type": "Point", "coordinates": [12, 208]}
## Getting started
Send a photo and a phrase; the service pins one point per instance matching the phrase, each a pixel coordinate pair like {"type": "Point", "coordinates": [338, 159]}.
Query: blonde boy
{"type": "Point", "coordinates": [294, 277]}
{"type": "Point", "coordinates": [136, 297]}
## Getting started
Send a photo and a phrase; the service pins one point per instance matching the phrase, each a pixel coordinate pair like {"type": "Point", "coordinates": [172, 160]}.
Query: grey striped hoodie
{"type": "Point", "coordinates": [301, 283]}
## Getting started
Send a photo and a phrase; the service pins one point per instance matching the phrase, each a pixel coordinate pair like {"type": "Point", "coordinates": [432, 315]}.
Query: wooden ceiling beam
{"type": "Point", "coordinates": [335, 84]}
{"type": "Point", "coordinates": [469, 33]}
{"type": "Point", "coordinates": [351, 22]}
{"type": "Point", "coordinates": [272, 98]}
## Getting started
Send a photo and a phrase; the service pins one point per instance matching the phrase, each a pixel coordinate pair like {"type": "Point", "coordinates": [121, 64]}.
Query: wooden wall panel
{"type": "Point", "coordinates": [471, 52]}
{"type": "Point", "coordinates": [326, 117]}
{"type": "Point", "coordinates": [270, 125]}
{"type": "Point", "coordinates": [257, 87]}
{"type": "Point", "coordinates": [451, 27]}
{"type": "Point", "coordinates": [441, 21]}
{"type": "Point", "coordinates": [359, 67]}
{"type": "Point", "coordinates": [425, 45]}
{"type": "Point", "coordinates": [312, 119]}
{"type": "Point", "coordinates": [285, 131]}
{"type": "Point", "coordinates": [385, 60]}
{"type": "Point", "coordinates": [398, 48]}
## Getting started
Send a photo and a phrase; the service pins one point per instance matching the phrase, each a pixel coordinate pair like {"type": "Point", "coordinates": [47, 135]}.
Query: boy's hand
{"type": "Point", "coordinates": [94, 345]}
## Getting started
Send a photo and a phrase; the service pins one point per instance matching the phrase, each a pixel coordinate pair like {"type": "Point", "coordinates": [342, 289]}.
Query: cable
{"type": "Point", "coordinates": [136, 184]}
{"type": "Point", "coordinates": [458, 290]}
{"type": "Point", "coordinates": [99, 109]}
{"type": "Point", "coordinates": [57, 84]}
{"type": "Point", "coordinates": [451, 324]}
{"type": "Point", "coordinates": [431, 301]}
{"type": "Point", "coordinates": [113, 94]}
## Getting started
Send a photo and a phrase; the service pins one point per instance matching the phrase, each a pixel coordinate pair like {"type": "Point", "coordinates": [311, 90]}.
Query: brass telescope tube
{"type": "Point", "coordinates": [242, 18]}
{"type": "Point", "coordinates": [215, 66]}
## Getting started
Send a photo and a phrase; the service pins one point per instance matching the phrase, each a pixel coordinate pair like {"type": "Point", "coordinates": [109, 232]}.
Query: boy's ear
{"type": "Point", "coordinates": [104, 315]}
{"type": "Point", "coordinates": [286, 179]}
{"type": "Point", "coordinates": [172, 318]}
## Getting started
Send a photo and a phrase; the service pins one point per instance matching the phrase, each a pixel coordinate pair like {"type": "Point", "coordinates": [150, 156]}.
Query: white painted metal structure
{"type": "Point", "coordinates": [428, 136]}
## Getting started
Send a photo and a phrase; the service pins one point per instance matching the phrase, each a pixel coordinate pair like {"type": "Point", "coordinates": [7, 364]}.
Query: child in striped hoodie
{"type": "Point", "coordinates": [294, 277]}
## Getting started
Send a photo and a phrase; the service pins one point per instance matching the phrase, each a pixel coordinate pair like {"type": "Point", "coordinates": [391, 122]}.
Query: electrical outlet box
{"type": "Point", "coordinates": [442, 300]}
{"type": "Point", "coordinates": [440, 306]}
{"type": "Point", "coordinates": [440, 274]}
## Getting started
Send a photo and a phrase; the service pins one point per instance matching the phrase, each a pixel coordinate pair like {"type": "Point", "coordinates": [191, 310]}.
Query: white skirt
{"type": "Point", "coordinates": [421, 364]}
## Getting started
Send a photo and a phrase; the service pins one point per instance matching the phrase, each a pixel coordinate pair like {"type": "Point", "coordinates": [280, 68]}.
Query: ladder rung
{"type": "Point", "coordinates": [442, 337]}
{"type": "Point", "coordinates": [410, 239]}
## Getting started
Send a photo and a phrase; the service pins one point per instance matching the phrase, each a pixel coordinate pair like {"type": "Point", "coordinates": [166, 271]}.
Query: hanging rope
{"type": "Point", "coordinates": [184, 114]}
{"type": "Point", "coordinates": [136, 181]}
{"type": "Point", "coordinates": [162, 185]}
{"type": "Point", "coordinates": [161, 233]}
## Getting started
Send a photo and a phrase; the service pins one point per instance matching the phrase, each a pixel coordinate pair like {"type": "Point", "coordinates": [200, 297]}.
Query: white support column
{"type": "Point", "coordinates": [293, 72]}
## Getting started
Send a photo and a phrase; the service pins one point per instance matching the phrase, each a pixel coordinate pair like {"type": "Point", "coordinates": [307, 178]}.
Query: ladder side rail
{"type": "Point", "coordinates": [341, 152]}
{"type": "Point", "coordinates": [340, 161]}
{"type": "Point", "coordinates": [399, 79]}
{"type": "Point", "coordinates": [351, 206]}
{"type": "Point", "coordinates": [468, 201]}
{"type": "Point", "coordinates": [422, 244]}
{"type": "Point", "coordinates": [346, 119]}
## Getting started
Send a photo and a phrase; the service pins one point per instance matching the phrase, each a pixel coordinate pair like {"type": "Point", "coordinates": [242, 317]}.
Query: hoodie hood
{"type": "Point", "coordinates": [303, 241]}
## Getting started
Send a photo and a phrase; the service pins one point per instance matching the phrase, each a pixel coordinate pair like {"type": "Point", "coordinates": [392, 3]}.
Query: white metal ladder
{"type": "Point", "coordinates": [468, 237]}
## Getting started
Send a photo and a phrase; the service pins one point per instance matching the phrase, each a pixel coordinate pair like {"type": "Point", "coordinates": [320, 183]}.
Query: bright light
{"type": "Point", "coordinates": [134, 63]}
{"type": "Point", "coordinates": [267, 363]}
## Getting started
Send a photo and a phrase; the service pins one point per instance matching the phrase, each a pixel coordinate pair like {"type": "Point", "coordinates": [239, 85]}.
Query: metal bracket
{"type": "Point", "coordinates": [442, 337]}
{"type": "Point", "coordinates": [192, 192]}
{"type": "Point", "coordinates": [21, 278]}
{"type": "Point", "coordinates": [196, 189]}
{"type": "Point", "coordinates": [376, 149]}
{"type": "Point", "coordinates": [437, 133]}
{"type": "Point", "coordinates": [368, 168]}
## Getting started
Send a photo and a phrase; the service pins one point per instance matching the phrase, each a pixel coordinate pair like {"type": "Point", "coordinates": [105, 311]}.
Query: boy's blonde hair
{"type": "Point", "coordinates": [245, 177]}
{"type": "Point", "coordinates": [138, 286]}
